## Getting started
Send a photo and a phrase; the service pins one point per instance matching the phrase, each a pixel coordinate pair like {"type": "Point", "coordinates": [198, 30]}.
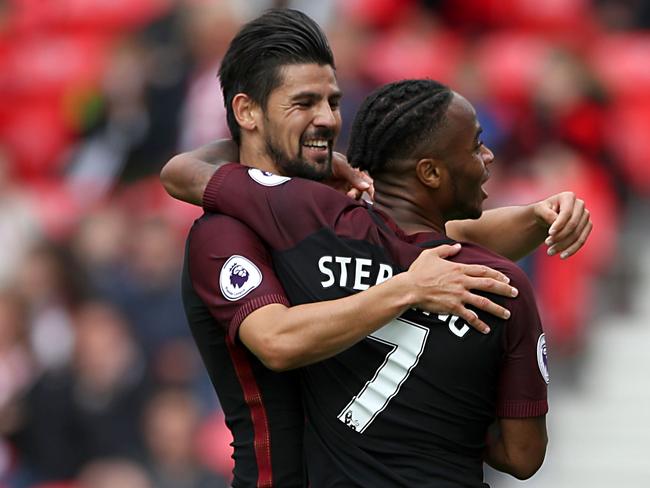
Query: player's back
{"type": "Point", "coordinates": [407, 406]}
{"type": "Point", "coordinates": [410, 405]}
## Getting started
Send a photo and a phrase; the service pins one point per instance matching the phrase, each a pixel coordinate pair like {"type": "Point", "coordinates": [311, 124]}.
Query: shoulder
{"type": "Point", "coordinates": [314, 189]}
{"type": "Point", "coordinates": [218, 235]}
{"type": "Point", "coordinates": [474, 254]}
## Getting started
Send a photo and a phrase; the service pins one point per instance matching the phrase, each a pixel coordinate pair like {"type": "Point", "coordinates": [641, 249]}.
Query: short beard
{"type": "Point", "coordinates": [298, 167]}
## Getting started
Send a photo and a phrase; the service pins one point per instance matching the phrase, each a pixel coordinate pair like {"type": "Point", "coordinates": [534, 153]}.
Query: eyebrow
{"type": "Point", "coordinates": [315, 95]}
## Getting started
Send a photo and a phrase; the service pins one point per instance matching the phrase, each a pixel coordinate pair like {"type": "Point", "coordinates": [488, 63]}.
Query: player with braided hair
{"type": "Point", "coordinates": [387, 120]}
{"type": "Point", "coordinates": [412, 403]}
{"type": "Point", "coordinates": [237, 308]}
{"type": "Point", "coordinates": [280, 86]}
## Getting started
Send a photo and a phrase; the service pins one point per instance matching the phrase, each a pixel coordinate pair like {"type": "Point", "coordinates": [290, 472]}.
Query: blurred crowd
{"type": "Point", "coordinates": [100, 382]}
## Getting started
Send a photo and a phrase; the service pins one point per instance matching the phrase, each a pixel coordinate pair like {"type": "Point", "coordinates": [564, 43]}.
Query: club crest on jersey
{"type": "Point", "coordinates": [239, 276]}
{"type": "Point", "coordinates": [542, 358]}
{"type": "Point", "coordinates": [267, 179]}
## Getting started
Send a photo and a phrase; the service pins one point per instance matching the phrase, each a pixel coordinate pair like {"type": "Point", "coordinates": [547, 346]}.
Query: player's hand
{"type": "Point", "coordinates": [444, 286]}
{"type": "Point", "coordinates": [349, 180]}
{"type": "Point", "coordinates": [568, 222]}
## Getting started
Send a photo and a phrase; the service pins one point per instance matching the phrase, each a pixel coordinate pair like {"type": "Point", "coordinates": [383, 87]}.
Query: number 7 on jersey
{"type": "Point", "coordinates": [406, 340]}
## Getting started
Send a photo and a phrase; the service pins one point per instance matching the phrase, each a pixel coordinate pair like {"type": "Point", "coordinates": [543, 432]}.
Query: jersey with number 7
{"type": "Point", "coordinates": [409, 405]}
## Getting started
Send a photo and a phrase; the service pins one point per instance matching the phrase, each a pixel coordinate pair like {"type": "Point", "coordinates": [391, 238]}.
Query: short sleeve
{"type": "Point", "coordinates": [524, 373]}
{"type": "Point", "coordinates": [268, 204]}
{"type": "Point", "coordinates": [231, 270]}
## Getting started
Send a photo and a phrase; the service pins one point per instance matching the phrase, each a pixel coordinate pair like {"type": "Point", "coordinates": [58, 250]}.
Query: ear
{"type": "Point", "coordinates": [246, 111]}
{"type": "Point", "coordinates": [430, 172]}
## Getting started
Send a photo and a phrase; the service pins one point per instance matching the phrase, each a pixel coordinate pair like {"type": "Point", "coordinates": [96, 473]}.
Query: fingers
{"type": "Point", "coordinates": [355, 179]}
{"type": "Point", "coordinates": [559, 244]}
{"type": "Point", "coordinates": [569, 227]}
{"type": "Point", "coordinates": [478, 270]}
{"type": "Point", "coordinates": [568, 243]}
{"type": "Point", "coordinates": [569, 247]}
{"type": "Point", "coordinates": [546, 213]}
{"type": "Point", "coordinates": [359, 180]}
{"type": "Point", "coordinates": [371, 190]}
{"type": "Point", "coordinates": [491, 285]}
{"type": "Point", "coordinates": [354, 193]}
{"type": "Point", "coordinates": [566, 203]}
{"type": "Point", "coordinates": [473, 320]}
{"type": "Point", "coordinates": [487, 305]}
{"type": "Point", "coordinates": [445, 250]}
{"type": "Point", "coordinates": [339, 163]}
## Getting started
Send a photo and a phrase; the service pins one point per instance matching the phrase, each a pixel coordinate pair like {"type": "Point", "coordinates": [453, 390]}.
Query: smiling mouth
{"type": "Point", "coordinates": [317, 150]}
{"type": "Point", "coordinates": [317, 144]}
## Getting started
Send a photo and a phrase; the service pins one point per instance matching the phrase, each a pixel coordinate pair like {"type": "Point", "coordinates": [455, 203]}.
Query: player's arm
{"type": "Point", "coordinates": [517, 446]}
{"type": "Point", "coordinates": [561, 221]}
{"type": "Point", "coordinates": [231, 270]}
{"type": "Point", "coordinates": [289, 337]}
{"type": "Point", "coordinates": [186, 175]}
{"type": "Point", "coordinates": [270, 210]}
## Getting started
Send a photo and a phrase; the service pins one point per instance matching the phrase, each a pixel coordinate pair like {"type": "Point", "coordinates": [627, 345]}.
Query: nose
{"type": "Point", "coordinates": [488, 155]}
{"type": "Point", "coordinates": [325, 116]}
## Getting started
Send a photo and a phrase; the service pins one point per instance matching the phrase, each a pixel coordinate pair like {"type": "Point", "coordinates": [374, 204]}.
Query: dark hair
{"type": "Point", "coordinates": [396, 121]}
{"type": "Point", "coordinates": [261, 48]}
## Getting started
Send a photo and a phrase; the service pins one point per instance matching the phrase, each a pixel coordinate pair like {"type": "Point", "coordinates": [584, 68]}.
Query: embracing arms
{"type": "Point", "coordinates": [560, 221]}
{"type": "Point", "coordinates": [289, 337]}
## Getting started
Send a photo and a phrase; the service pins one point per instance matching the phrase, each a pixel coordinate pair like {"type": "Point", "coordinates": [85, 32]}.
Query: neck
{"type": "Point", "coordinates": [398, 200]}
{"type": "Point", "coordinates": [252, 153]}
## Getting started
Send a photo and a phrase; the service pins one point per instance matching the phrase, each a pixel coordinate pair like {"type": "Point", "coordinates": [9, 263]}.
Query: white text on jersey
{"type": "Point", "coordinates": [352, 272]}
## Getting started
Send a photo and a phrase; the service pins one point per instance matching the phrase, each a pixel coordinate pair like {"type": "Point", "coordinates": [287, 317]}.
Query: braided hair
{"type": "Point", "coordinates": [396, 121]}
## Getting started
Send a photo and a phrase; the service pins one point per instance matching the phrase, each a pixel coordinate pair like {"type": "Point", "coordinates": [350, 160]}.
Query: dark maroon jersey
{"type": "Point", "coordinates": [228, 274]}
{"type": "Point", "coordinates": [409, 405]}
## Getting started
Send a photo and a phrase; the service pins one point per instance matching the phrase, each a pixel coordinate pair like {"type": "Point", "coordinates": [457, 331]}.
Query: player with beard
{"type": "Point", "coordinates": [282, 102]}
{"type": "Point", "coordinates": [411, 404]}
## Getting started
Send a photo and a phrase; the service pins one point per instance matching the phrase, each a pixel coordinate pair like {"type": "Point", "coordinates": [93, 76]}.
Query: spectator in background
{"type": "Point", "coordinates": [92, 407]}
{"type": "Point", "coordinates": [149, 289]}
{"type": "Point", "coordinates": [113, 473]}
{"type": "Point", "coordinates": [171, 422]}
{"type": "Point", "coordinates": [51, 283]}
{"type": "Point", "coordinates": [17, 372]}
{"type": "Point", "coordinates": [100, 245]}
{"type": "Point", "coordinates": [19, 225]}
{"type": "Point", "coordinates": [208, 28]}
{"type": "Point", "coordinates": [122, 126]}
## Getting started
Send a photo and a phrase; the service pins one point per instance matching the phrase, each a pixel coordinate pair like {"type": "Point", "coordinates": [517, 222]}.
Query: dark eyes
{"type": "Point", "coordinates": [479, 144]}
{"type": "Point", "coordinates": [334, 104]}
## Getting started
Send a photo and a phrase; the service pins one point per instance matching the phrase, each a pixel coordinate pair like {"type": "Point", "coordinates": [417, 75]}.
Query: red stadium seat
{"type": "Point", "coordinates": [548, 18]}
{"type": "Point", "coordinates": [45, 66]}
{"type": "Point", "coordinates": [36, 136]}
{"type": "Point", "coordinates": [401, 55]}
{"type": "Point", "coordinates": [89, 15]}
{"type": "Point", "coordinates": [509, 64]}
{"type": "Point", "coordinates": [623, 64]}
{"type": "Point", "coordinates": [627, 132]}
{"type": "Point", "coordinates": [375, 12]}
{"type": "Point", "coordinates": [566, 288]}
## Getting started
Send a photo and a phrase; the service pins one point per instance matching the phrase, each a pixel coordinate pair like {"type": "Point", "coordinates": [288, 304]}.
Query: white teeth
{"type": "Point", "coordinates": [319, 143]}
